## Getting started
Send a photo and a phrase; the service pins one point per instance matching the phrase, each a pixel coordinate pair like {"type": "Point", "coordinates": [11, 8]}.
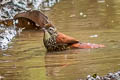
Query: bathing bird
{"type": "Point", "coordinates": [57, 41]}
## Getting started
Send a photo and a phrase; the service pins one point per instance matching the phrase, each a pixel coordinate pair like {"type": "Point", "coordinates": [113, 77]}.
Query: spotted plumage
{"type": "Point", "coordinates": [50, 43]}
{"type": "Point", "coordinates": [56, 41]}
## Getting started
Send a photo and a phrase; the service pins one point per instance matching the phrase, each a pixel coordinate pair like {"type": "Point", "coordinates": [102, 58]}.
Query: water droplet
{"type": "Point", "coordinates": [107, 5]}
{"type": "Point", "coordinates": [84, 15]}
{"type": "Point", "coordinates": [81, 13]}
{"type": "Point", "coordinates": [94, 36]}
{"type": "Point", "coordinates": [100, 1]}
{"type": "Point", "coordinates": [16, 21]}
{"type": "Point", "coordinates": [112, 21]}
{"type": "Point", "coordinates": [28, 23]}
{"type": "Point", "coordinates": [37, 24]}
{"type": "Point", "coordinates": [72, 15]}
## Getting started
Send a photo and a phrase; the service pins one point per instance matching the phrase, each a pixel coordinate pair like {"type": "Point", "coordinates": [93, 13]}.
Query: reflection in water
{"type": "Point", "coordinates": [27, 58]}
{"type": "Point", "coordinates": [79, 63]}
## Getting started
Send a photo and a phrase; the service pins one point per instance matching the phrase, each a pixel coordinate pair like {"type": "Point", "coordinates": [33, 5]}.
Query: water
{"type": "Point", "coordinates": [27, 59]}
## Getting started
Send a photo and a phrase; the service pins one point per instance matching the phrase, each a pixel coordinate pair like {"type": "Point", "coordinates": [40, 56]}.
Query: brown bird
{"type": "Point", "coordinates": [57, 41]}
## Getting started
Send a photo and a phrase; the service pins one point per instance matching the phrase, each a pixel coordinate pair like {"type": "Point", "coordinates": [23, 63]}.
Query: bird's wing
{"type": "Point", "coordinates": [64, 39]}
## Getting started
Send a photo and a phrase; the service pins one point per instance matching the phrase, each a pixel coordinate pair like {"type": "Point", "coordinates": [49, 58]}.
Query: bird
{"type": "Point", "coordinates": [57, 41]}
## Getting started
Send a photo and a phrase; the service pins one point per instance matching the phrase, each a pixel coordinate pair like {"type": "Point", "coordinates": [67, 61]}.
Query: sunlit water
{"type": "Point", "coordinates": [27, 59]}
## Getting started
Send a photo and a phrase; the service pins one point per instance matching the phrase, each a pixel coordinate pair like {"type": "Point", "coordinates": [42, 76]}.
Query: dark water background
{"type": "Point", "coordinates": [27, 58]}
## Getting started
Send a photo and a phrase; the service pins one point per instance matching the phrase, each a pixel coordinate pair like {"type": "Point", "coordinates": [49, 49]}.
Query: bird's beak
{"type": "Point", "coordinates": [43, 29]}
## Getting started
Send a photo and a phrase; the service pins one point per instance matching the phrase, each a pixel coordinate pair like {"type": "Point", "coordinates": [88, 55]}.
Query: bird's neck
{"type": "Point", "coordinates": [46, 35]}
{"type": "Point", "coordinates": [54, 34]}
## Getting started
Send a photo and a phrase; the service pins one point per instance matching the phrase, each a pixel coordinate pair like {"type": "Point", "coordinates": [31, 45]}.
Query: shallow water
{"type": "Point", "coordinates": [27, 59]}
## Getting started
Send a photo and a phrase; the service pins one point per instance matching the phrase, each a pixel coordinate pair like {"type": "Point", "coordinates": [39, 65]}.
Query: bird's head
{"type": "Point", "coordinates": [50, 29]}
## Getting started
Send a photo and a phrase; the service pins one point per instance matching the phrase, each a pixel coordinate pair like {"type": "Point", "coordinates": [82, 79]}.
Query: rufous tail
{"type": "Point", "coordinates": [86, 45]}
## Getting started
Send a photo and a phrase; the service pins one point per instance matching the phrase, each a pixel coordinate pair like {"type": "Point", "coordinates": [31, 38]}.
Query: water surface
{"type": "Point", "coordinates": [27, 59]}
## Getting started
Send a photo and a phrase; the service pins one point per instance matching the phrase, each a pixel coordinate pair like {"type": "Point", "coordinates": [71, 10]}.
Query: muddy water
{"type": "Point", "coordinates": [94, 21]}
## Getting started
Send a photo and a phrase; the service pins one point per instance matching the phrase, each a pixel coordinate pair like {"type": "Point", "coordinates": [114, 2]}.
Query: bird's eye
{"type": "Point", "coordinates": [51, 29]}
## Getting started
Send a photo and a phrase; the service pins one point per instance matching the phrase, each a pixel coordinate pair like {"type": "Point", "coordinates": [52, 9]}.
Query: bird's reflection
{"type": "Point", "coordinates": [56, 62]}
